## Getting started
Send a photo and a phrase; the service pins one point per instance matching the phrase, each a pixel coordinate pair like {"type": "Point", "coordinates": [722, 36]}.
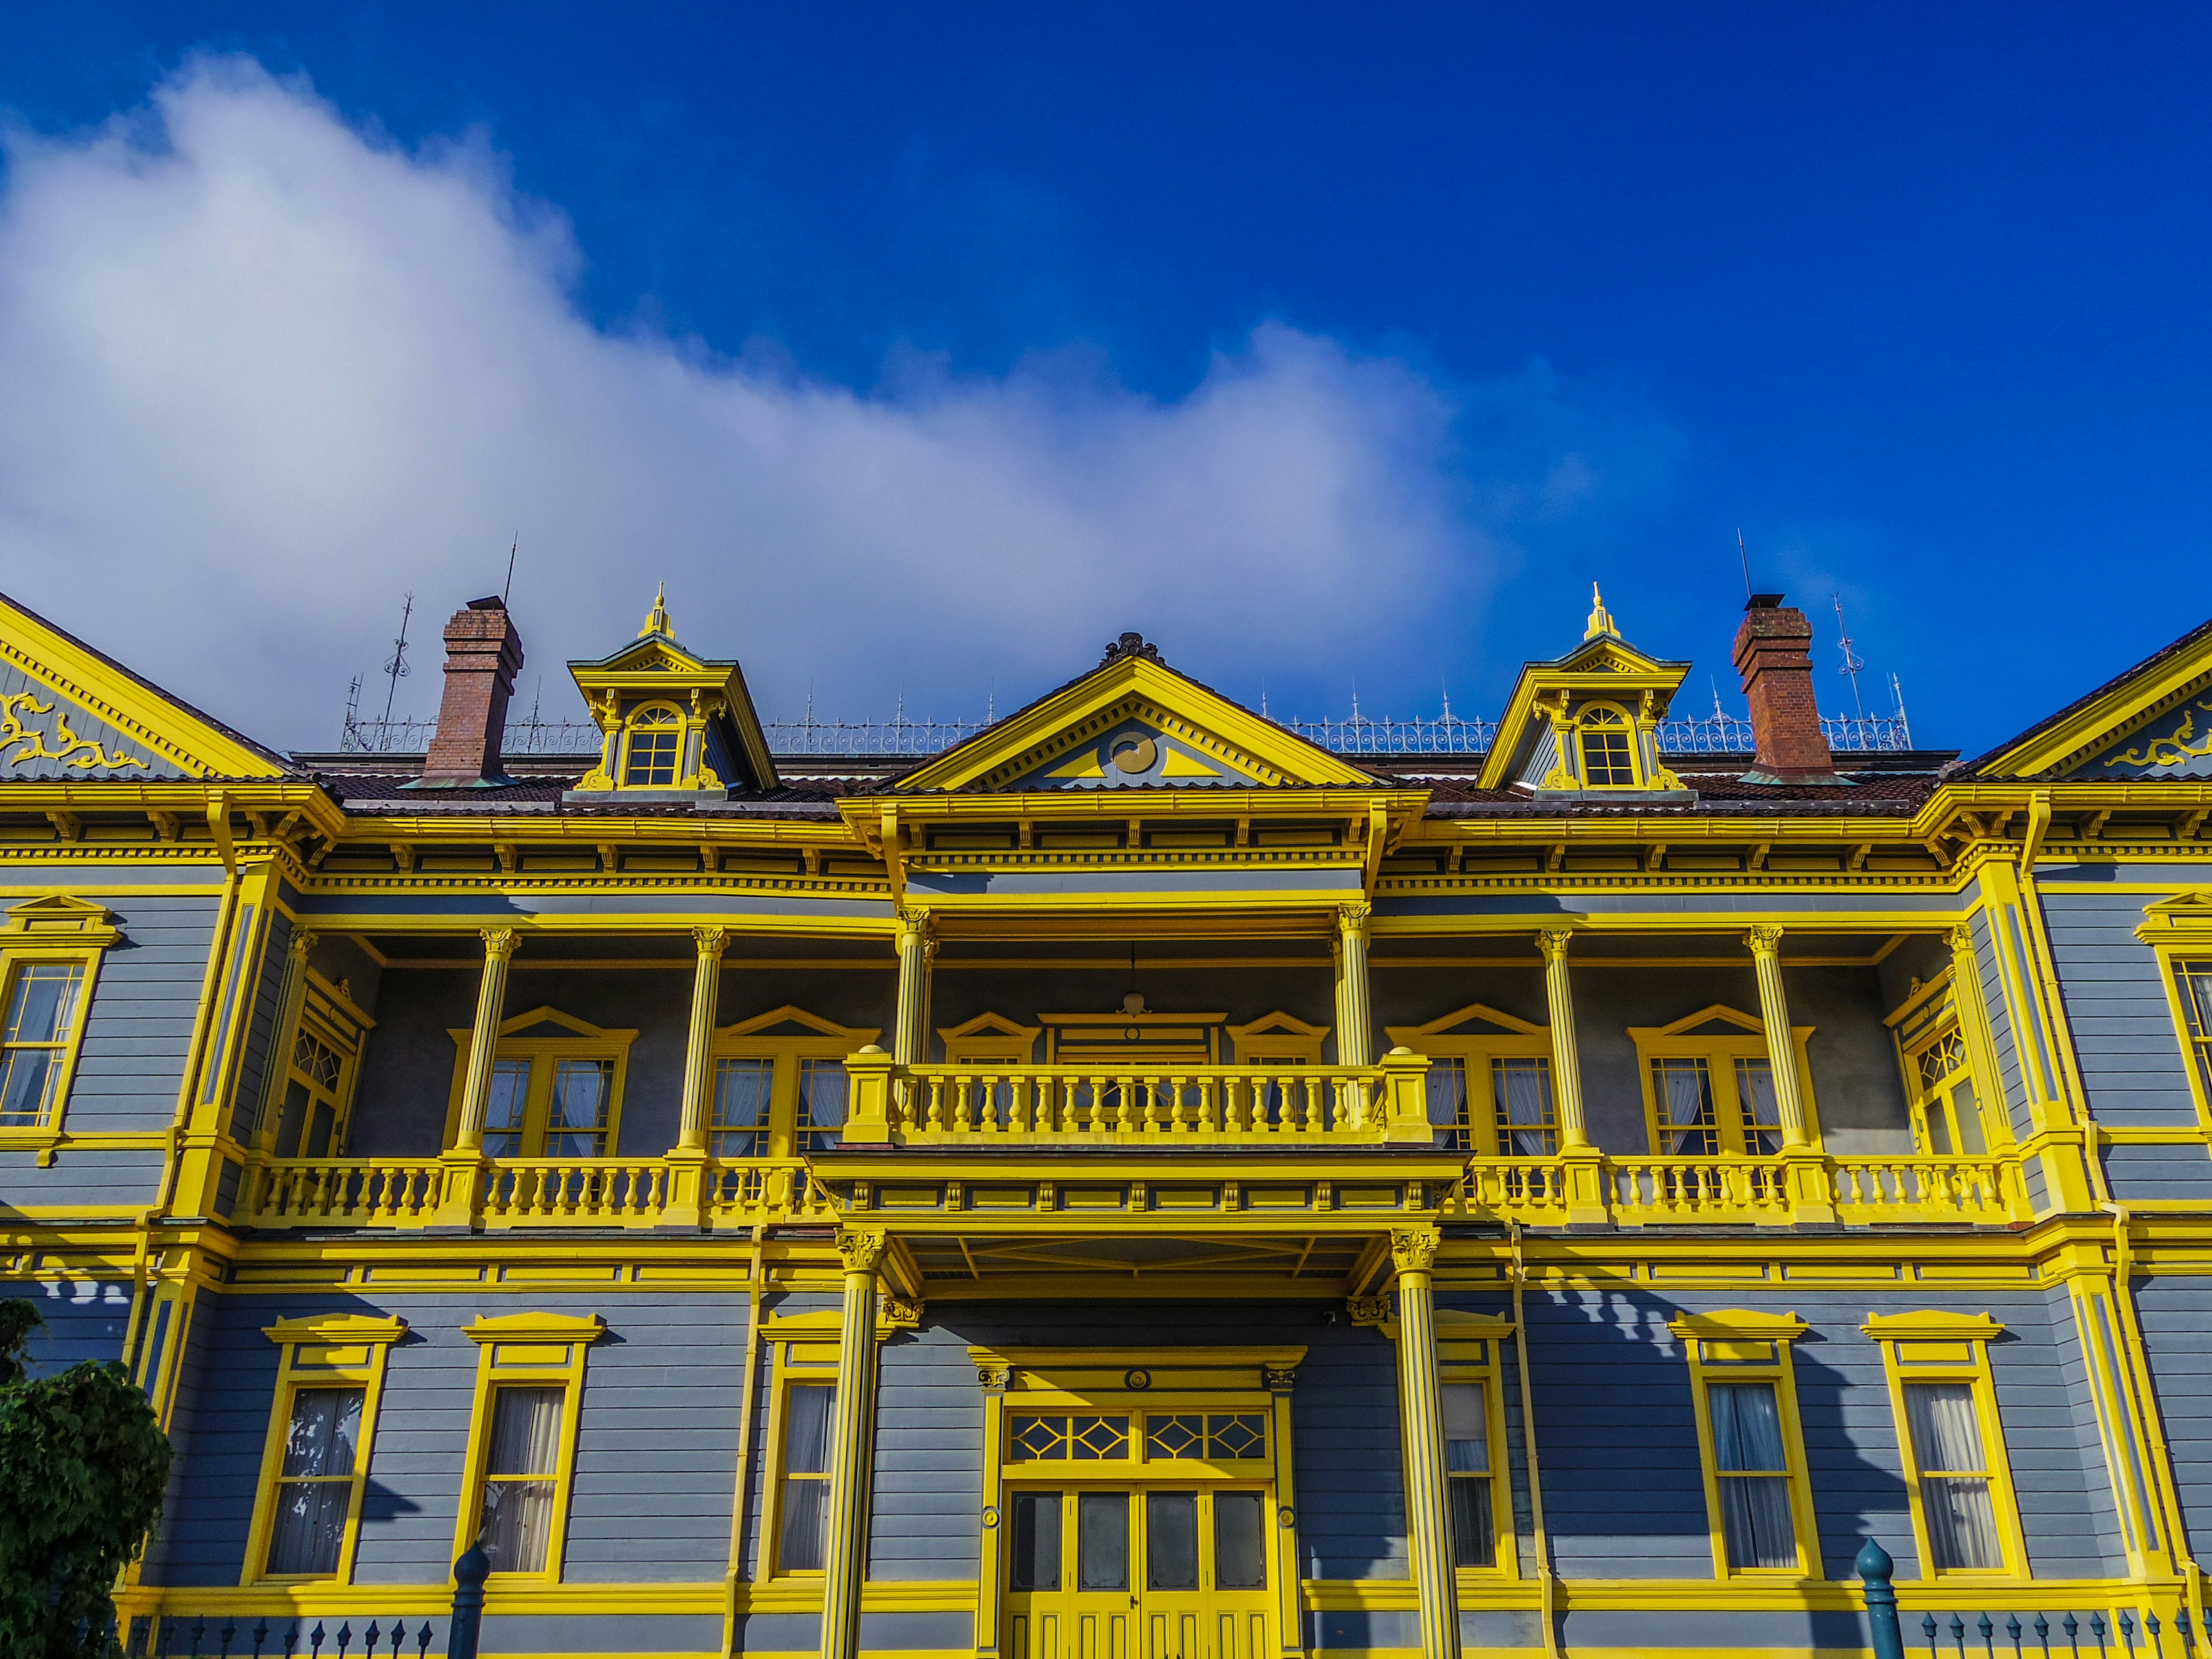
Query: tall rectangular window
{"type": "Point", "coordinates": [804, 1504]}
{"type": "Point", "coordinates": [1033, 1559]}
{"type": "Point", "coordinates": [504, 1116]}
{"type": "Point", "coordinates": [42, 1001]}
{"type": "Point", "coordinates": [1750, 1463]}
{"type": "Point", "coordinates": [1467, 1474]}
{"type": "Point", "coordinates": [1954, 1477]}
{"type": "Point", "coordinates": [743, 1090]}
{"type": "Point", "coordinates": [822, 1085]}
{"type": "Point", "coordinates": [1762, 1113]}
{"type": "Point", "coordinates": [521, 1482]}
{"type": "Point", "coordinates": [1520, 1090]}
{"type": "Point", "coordinates": [1688, 1126]}
{"type": "Point", "coordinates": [583, 1098]}
{"type": "Point", "coordinates": [2195, 978]}
{"type": "Point", "coordinates": [315, 1488]}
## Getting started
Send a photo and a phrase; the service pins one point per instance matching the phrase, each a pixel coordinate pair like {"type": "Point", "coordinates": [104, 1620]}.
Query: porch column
{"type": "Point", "coordinates": [699, 1053]}
{"type": "Point", "coordinates": [1420, 1410]}
{"type": "Point", "coordinates": [282, 1039]}
{"type": "Point", "coordinates": [845, 1548]}
{"type": "Point", "coordinates": [483, 1041]}
{"type": "Point", "coordinates": [1583, 1173]}
{"type": "Point", "coordinates": [1355, 1020]}
{"type": "Point", "coordinates": [1765, 944]}
{"type": "Point", "coordinates": [916, 947]}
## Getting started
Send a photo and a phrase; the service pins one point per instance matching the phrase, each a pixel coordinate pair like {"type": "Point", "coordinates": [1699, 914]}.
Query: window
{"type": "Point", "coordinates": [1939, 1073]}
{"type": "Point", "coordinates": [315, 1463]}
{"type": "Point", "coordinates": [1490, 1083]}
{"type": "Point", "coordinates": [1760, 1505]}
{"type": "Point", "coordinates": [1710, 1085]}
{"type": "Point", "coordinates": [653, 749]}
{"type": "Point", "coordinates": [530, 1375]}
{"type": "Point", "coordinates": [557, 1087]}
{"type": "Point", "coordinates": [1467, 1473]}
{"type": "Point", "coordinates": [802, 1505]}
{"type": "Point", "coordinates": [2194, 979]}
{"type": "Point", "coordinates": [42, 1002]}
{"type": "Point", "coordinates": [779, 1085]}
{"type": "Point", "coordinates": [1608, 759]}
{"type": "Point", "coordinates": [1964, 1517]}
{"type": "Point", "coordinates": [1469, 1353]}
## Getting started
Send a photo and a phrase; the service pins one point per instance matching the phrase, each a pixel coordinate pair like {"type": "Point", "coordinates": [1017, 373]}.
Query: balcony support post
{"type": "Point", "coordinates": [1420, 1410]}
{"type": "Point", "coordinates": [917, 949]}
{"type": "Point", "coordinates": [1405, 1098]}
{"type": "Point", "coordinates": [845, 1548]}
{"type": "Point", "coordinates": [1355, 1033]}
{"type": "Point", "coordinates": [1805, 1171]}
{"type": "Point", "coordinates": [463, 1160]}
{"type": "Point", "coordinates": [1582, 1171]}
{"type": "Point", "coordinates": [687, 1158]}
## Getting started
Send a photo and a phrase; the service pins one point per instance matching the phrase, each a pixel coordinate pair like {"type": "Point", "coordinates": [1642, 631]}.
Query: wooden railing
{"type": "Point", "coordinates": [1138, 1107]}
{"type": "Point", "coordinates": [513, 1192]}
{"type": "Point", "coordinates": [1657, 1191]}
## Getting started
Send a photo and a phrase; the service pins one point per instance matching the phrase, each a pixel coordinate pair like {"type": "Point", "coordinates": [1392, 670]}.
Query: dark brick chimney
{"type": "Point", "coordinates": [1772, 655]}
{"type": "Point", "coordinates": [483, 653]}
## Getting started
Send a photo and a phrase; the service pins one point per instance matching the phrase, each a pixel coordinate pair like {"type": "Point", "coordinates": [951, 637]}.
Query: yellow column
{"type": "Point", "coordinates": [699, 1054]}
{"type": "Point", "coordinates": [483, 1041]}
{"type": "Point", "coordinates": [1420, 1410]}
{"type": "Point", "coordinates": [845, 1550]}
{"type": "Point", "coordinates": [1583, 1173]}
{"type": "Point", "coordinates": [910, 1031]}
{"type": "Point", "coordinates": [1355, 1022]}
{"type": "Point", "coordinates": [1805, 1171]}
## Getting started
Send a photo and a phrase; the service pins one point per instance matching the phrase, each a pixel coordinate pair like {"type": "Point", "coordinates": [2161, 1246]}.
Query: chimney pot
{"type": "Point", "coordinates": [1773, 653]}
{"type": "Point", "coordinates": [483, 653]}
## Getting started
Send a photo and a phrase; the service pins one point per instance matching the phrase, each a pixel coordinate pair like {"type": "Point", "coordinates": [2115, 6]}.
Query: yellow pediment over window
{"type": "Point", "coordinates": [70, 715]}
{"type": "Point", "coordinates": [1132, 723]}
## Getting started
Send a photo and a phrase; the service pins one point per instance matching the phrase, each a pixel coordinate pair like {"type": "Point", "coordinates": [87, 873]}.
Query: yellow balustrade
{"type": "Point", "coordinates": [512, 1193]}
{"type": "Point", "coordinates": [346, 1192]}
{"type": "Point", "coordinates": [1160, 1106]}
{"type": "Point", "coordinates": [1645, 1190]}
{"type": "Point", "coordinates": [1968, 1189]}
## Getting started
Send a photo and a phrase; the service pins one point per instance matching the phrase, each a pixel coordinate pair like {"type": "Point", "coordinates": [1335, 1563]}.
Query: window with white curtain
{"type": "Point", "coordinates": [1688, 1126]}
{"type": "Point", "coordinates": [803, 1502]}
{"type": "Point", "coordinates": [1751, 1464]}
{"type": "Point", "coordinates": [522, 1477]}
{"type": "Point", "coordinates": [314, 1493]}
{"type": "Point", "coordinates": [1954, 1477]}
{"type": "Point", "coordinates": [1467, 1474]}
{"type": "Point", "coordinates": [1528, 1125]}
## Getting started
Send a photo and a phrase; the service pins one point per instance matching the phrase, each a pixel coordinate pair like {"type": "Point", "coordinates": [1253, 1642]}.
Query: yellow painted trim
{"type": "Point", "coordinates": [1700, 1333]}
{"type": "Point", "coordinates": [1895, 1331]}
{"type": "Point", "coordinates": [363, 1343]}
{"type": "Point", "coordinates": [1732, 1124]}
{"type": "Point", "coordinates": [496, 1367]}
{"type": "Point", "coordinates": [589, 1041]}
{"type": "Point", "coordinates": [1931, 1324]}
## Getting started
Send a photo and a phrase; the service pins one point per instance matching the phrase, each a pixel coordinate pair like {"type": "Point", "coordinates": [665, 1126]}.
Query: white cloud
{"type": "Point", "coordinates": [262, 371]}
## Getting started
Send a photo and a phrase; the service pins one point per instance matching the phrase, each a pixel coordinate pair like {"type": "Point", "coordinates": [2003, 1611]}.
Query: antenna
{"type": "Point", "coordinates": [511, 552]}
{"type": "Point", "coordinates": [353, 710]}
{"type": "Point", "coordinates": [1896, 695]}
{"type": "Point", "coordinates": [395, 670]}
{"type": "Point", "coordinates": [1263, 696]}
{"type": "Point", "coordinates": [1716, 684]}
{"type": "Point", "coordinates": [991, 704]}
{"type": "Point", "coordinates": [1744, 553]}
{"type": "Point", "coordinates": [1853, 663]}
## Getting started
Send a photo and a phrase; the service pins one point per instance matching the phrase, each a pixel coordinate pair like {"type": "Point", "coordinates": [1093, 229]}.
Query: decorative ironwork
{"type": "Point", "coordinates": [1068, 1439]}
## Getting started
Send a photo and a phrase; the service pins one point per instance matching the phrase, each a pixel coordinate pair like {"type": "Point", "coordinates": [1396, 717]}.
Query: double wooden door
{"type": "Point", "coordinates": [1139, 1572]}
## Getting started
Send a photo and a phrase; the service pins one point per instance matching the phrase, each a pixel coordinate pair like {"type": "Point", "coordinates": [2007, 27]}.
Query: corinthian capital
{"type": "Point", "coordinates": [500, 942]}
{"type": "Point", "coordinates": [861, 1251]}
{"type": "Point", "coordinates": [711, 941]}
{"type": "Point", "coordinates": [1413, 1252]}
{"type": "Point", "coordinates": [1764, 941]}
{"type": "Point", "coordinates": [1553, 942]}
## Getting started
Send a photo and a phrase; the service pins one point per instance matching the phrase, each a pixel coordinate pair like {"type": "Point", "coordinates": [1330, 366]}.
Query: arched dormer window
{"type": "Point", "coordinates": [1609, 748]}
{"type": "Point", "coordinates": [654, 747]}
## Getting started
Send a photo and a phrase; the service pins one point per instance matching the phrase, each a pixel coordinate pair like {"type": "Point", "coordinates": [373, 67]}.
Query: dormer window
{"type": "Point", "coordinates": [654, 747]}
{"type": "Point", "coordinates": [1608, 757]}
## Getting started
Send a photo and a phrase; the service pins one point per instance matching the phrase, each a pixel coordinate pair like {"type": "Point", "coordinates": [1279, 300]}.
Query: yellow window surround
{"type": "Point", "coordinates": [51, 950]}
{"type": "Point", "coordinates": [539, 1357]}
{"type": "Point", "coordinates": [334, 1365]}
{"type": "Point", "coordinates": [1943, 1082]}
{"type": "Point", "coordinates": [803, 1349]}
{"type": "Point", "coordinates": [1699, 1083]}
{"type": "Point", "coordinates": [309, 1103]}
{"type": "Point", "coordinates": [1751, 1444]}
{"type": "Point", "coordinates": [2179, 930]}
{"type": "Point", "coordinates": [775, 1075]}
{"type": "Point", "coordinates": [990, 1040]}
{"type": "Point", "coordinates": [1470, 1354]}
{"type": "Point", "coordinates": [529, 1068]}
{"type": "Point", "coordinates": [1277, 1039]}
{"type": "Point", "coordinates": [1501, 1069]}
{"type": "Point", "coordinates": [1938, 1350]}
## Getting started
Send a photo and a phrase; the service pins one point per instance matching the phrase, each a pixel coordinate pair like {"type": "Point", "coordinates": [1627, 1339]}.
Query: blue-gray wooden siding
{"type": "Point", "coordinates": [85, 1319]}
{"type": "Point", "coordinates": [2177, 1322]}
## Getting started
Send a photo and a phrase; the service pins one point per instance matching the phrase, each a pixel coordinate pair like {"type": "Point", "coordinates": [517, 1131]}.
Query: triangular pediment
{"type": "Point", "coordinates": [656, 654]}
{"type": "Point", "coordinates": [68, 714]}
{"type": "Point", "coordinates": [2153, 721]}
{"type": "Point", "coordinates": [1132, 723]}
{"type": "Point", "coordinates": [792, 1021]}
{"type": "Point", "coordinates": [1477, 1020]}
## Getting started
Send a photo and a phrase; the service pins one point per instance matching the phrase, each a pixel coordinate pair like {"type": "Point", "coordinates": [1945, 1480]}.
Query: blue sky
{"type": "Point", "coordinates": [923, 349]}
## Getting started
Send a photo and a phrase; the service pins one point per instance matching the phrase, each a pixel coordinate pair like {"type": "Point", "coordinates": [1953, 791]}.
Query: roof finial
{"type": "Point", "coordinates": [656, 620]}
{"type": "Point", "coordinates": [1600, 619]}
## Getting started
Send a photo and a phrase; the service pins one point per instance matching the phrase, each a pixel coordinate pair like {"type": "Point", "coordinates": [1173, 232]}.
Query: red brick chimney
{"type": "Point", "coordinates": [1771, 653]}
{"type": "Point", "coordinates": [483, 653]}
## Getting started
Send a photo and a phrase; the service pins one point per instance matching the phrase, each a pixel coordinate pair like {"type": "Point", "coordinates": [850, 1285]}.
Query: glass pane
{"type": "Point", "coordinates": [1966, 1113]}
{"type": "Point", "coordinates": [526, 1432]}
{"type": "Point", "coordinates": [310, 1528]}
{"type": "Point", "coordinates": [798, 1548]}
{"type": "Point", "coordinates": [292, 1117]}
{"type": "Point", "coordinates": [1755, 1517]}
{"type": "Point", "coordinates": [46, 992]}
{"type": "Point", "coordinates": [324, 1430]}
{"type": "Point", "coordinates": [1946, 1438]}
{"type": "Point", "coordinates": [1035, 1547]}
{"type": "Point", "coordinates": [1747, 1427]}
{"type": "Point", "coordinates": [1102, 1540]}
{"type": "Point", "coordinates": [1474, 1541]}
{"type": "Point", "coordinates": [1939, 1126]}
{"type": "Point", "coordinates": [1170, 1540]}
{"type": "Point", "coordinates": [518, 1524]}
{"type": "Point", "coordinates": [1466, 1439]}
{"type": "Point", "coordinates": [576, 1121]}
{"type": "Point", "coordinates": [1962, 1524]}
{"type": "Point", "coordinates": [2197, 982]}
{"type": "Point", "coordinates": [1523, 1091]}
{"type": "Point", "coordinates": [1240, 1541]}
{"type": "Point", "coordinates": [25, 1081]}
{"type": "Point", "coordinates": [821, 1094]}
{"type": "Point", "coordinates": [1448, 1104]}
{"type": "Point", "coordinates": [1762, 1113]}
{"type": "Point", "coordinates": [503, 1112]}
{"type": "Point", "coordinates": [742, 1089]}
{"type": "Point", "coordinates": [318, 1131]}
{"type": "Point", "coordinates": [806, 1429]}
{"type": "Point", "coordinates": [1685, 1092]}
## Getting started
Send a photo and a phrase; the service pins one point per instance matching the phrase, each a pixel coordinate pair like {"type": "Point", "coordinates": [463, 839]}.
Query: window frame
{"type": "Point", "coordinates": [326, 1013]}
{"type": "Point", "coordinates": [1470, 1349]}
{"type": "Point", "coordinates": [532, 1350]}
{"type": "Point", "coordinates": [1720, 1053]}
{"type": "Point", "coordinates": [634, 721]}
{"type": "Point", "coordinates": [1933, 1345]}
{"type": "Point", "coordinates": [320, 1351]}
{"type": "Point", "coordinates": [583, 1041]}
{"type": "Point", "coordinates": [62, 929]}
{"type": "Point", "coordinates": [1632, 734]}
{"type": "Point", "coordinates": [1480, 1135]}
{"type": "Point", "coordinates": [1277, 1039]}
{"type": "Point", "coordinates": [1707, 1339]}
{"type": "Point", "coordinates": [803, 1353]}
{"type": "Point", "coordinates": [760, 1038]}
{"type": "Point", "coordinates": [1922, 1023]}
{"type": "Point", "coordinates": [2176, 960]}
